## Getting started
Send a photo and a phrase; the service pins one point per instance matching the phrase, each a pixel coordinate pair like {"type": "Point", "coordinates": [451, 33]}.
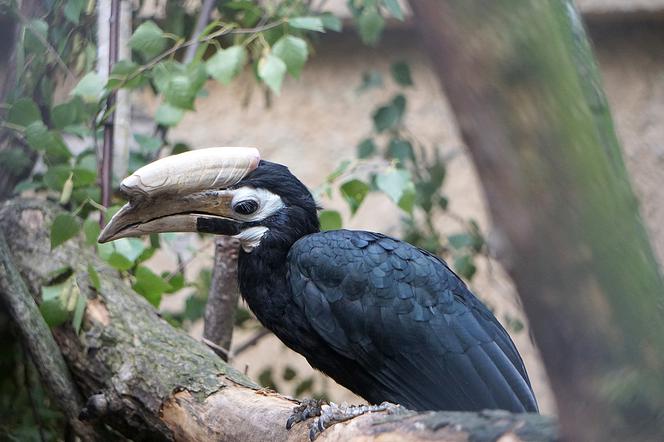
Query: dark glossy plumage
{"type": "Point", "coordinates": [387, 320]}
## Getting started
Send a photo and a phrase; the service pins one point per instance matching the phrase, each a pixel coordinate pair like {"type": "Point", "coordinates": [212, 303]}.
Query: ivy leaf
{"type": "Point", "coordinates": [90, 87]}
{"type": "Point", "coordinates": [371, 25]}
{"type": "Point", "coordinates": [150, 285]}
{"type": "Point", "coordinates": [293, 51]}
{"type": "Point", "coordinates": [354, 192]}
{"type": "Point", "coordinates": [331, 22]}
{"type": "Point", "coordinates": [148, 39]}
{"type": "Point", "coordinates": [271, 69]}
{"type": "Point", "coordinates": [408, 198]}
{"type": "Point", "coordinates": [389, 116]}
{"type": "Point", "coordinates": [401, 73]}
{"type": "Point", "coordinates": [168, 115]}
{"type": "Point", "coordinates": [394, 8]}
{"type": "Point", "coordinates": [65, 226]}
{"type": "Point", "coordinates": [23, 112]}
{"type": "Point", "coordinates": [330, 220]}
{"type": "Point", "coordinates": [307, 23]}
{"type": "Point", "coordinates": [226, 64]}
{"type": "Point", "coordinates": [73, 10]}
{"type": "Point", "coordinates": [366, 148]}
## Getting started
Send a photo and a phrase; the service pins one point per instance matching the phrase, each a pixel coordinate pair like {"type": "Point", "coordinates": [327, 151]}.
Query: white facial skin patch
{"type": "Point", "coordinates": [268, 204]}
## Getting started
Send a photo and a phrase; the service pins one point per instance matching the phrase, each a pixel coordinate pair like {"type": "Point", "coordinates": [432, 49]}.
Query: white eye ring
{"type": "Point", "coordinates": [246, 207]}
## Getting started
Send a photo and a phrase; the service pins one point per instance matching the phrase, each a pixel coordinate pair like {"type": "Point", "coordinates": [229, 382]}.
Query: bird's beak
{"type": "Point", "coordinates": [182, 193]}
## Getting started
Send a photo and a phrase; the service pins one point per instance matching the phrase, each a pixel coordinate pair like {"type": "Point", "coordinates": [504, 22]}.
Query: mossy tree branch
{"type": "Point", "coordinates": [525, 89]}
{"type": "Point", "coordinates": [150, 381]}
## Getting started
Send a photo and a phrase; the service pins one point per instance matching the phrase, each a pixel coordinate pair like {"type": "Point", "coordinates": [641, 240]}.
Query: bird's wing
{"type": "Point", "coordinates": [409, 321]}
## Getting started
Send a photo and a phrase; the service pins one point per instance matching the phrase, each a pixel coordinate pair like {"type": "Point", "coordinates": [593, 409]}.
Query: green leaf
{"type": "Point", "coordinates": [331, 22]}
{"type": "Point", "coordinates": [168, 115]}
{"type": "Point", "coordinates": [330, 220]}
{"type": "Point", "coordinates": [79, 309]}
{"type": "Point", "coordinates": [94, 277]}
{"type": "Point", "coordinates": [54, 303]}
{"type": "Point", "coordinates": [91, 230]}
{"type": "Point", "coordinates": [226, 64]}
{"type": "Point", "coordinates": [461, 240]}
{"type": "Point", "coordinates": [305, 386]}
{"type": "Point", "coordinates": [354, 192]}
{"type": "Point", "coordinates": [271, 69]}
{"type": "Point", "coordinates": [130, 248]}
{"type": "Point", "coordinates": [65, 226]}
{"type": "Point", "coordinates": [307, 23]}
{"type": "Point", "coordinates": [464, 266]}
{"type": "Point", "coordinates": [90, 87]}
{"type": "Point", "coordinates": [150, 285]}
{"type": "Point", "coordinates": [69, 113]}
{"type": "Point", "coordinates": [366, 148]}
{"type": "Point", "coordinates": [389, 116]}
{"type": "Point", "coordinates": [36, 28]}
{"type": "Point", "coordinates": [394, 183]}
{"type": "Point", "coordinates": [401, 73]}
{"type": "Point", "coordinates": [400, 149]}
{"type": "Point", "coordinates": [149, 145]}
{"type": "Point", "coordinates": [37, 136]}
{"type": "Point", "coordinates": [148, 39]}
{"type": "Point", "coordinates": [371, 25]}
{"type": "Point", "coordinates": [122, 71]}
{"type": "Point", "coordinates": [394, 8]}
{"type": "Point", "coordinates": [370, 80]}
{"type": "Point", "coordinates": [73, 10]}
{"type": "Point", "coordinates": [179, 92]}
{"type": "Point", "coordinates": [23, 112]}
{"type": "Point", "coordinates": [408, 198]}
{"type": "Point", "coordinates": [289, 373]}
{"type": "Point", "coordinates": [293, 51]}
{"type": "Point", "coordinates": [119, 262]}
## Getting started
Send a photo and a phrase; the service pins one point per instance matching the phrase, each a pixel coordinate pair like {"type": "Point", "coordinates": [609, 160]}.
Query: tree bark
{"type": "Point", "coordinates": [150, 381]}
{"type": "Point", "coordinates": [522, 81]}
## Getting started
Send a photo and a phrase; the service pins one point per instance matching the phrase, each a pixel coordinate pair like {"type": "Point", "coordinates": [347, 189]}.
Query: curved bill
{"type": "Point", "coordinates": [180, 192]}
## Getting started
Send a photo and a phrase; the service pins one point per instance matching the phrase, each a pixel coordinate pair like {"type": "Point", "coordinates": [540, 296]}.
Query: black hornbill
{"type": "Point", "coordinates": [387, 320]}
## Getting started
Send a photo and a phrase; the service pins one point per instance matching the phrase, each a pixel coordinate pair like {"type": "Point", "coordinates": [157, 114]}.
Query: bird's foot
{"type": "Point", "coordinates": [308, 408]}
{"type": "Point", "coordinates": [330, 414]}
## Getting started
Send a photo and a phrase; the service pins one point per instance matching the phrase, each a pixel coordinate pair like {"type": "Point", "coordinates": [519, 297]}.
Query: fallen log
{"type": "Point", "coordinates": [146, 380]}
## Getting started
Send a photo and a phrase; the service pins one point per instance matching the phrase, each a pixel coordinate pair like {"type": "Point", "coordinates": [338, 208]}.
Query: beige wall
{"type": "Point", "coordinates": [318, 120]}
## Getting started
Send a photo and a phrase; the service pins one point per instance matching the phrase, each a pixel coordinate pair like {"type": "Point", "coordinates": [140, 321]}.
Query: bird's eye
{"type": "Point", "coordinates": [245, 207]}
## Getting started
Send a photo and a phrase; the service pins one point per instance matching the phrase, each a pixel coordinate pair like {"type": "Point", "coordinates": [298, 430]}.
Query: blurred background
{"type": "Point", "coordinates": [336, 117]}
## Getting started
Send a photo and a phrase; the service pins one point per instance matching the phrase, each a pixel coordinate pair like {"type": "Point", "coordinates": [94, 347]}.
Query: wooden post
{"type": "Point", "coordinates": [525, 89]}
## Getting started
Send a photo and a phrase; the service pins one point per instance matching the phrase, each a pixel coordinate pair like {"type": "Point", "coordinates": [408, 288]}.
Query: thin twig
{"type": "Point", "coordinates": [201, 23]}
{"type": "Point", "coordinates": [251, 342]}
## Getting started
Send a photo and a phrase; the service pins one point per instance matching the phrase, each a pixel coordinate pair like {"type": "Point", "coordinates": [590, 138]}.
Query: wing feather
{"type": "Point", "coordinates": [408, 321]}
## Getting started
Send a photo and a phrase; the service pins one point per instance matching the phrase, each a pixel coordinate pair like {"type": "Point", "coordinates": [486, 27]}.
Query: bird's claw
{"type": "Point", "coordinates": [332, 413]}
{"type": "Point", "coordinates": [308, 408]}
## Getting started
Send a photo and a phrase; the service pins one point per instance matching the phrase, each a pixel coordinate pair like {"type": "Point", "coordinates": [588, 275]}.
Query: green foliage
{"type": "Point", "coordinates": [148, 39]}
{"type": "Point", "coordinates": [226, 64]}
{"type": "Point", "coordinates": [65, 226]}
{"type": "Point", "coordinates": [271, 69]}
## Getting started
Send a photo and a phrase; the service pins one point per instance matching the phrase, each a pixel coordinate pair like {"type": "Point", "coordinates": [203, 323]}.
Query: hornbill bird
{"type": "Point", "coordinates": [385, 319]}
